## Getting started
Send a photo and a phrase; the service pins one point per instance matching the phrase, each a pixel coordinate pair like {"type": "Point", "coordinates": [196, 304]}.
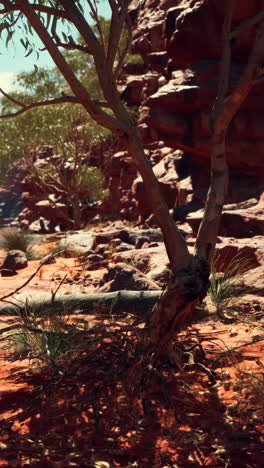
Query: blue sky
{"type": "Point", "coordinates": [13, 60]}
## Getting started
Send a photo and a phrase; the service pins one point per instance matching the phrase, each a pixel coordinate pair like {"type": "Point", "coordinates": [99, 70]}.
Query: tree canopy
{"type": "Point", "coordinates": [52, 125]}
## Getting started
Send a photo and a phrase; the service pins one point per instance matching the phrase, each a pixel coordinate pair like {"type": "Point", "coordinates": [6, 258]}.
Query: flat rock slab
{"type": "Point", "coordinates": [15, 260]}
{"type": "Point", "coordinates": [81, 241]}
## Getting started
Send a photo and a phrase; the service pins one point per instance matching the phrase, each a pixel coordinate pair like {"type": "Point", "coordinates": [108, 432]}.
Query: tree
{"type": "Point", "coordinates": [51, 125]}
{"type": "Point", "coordinates": [189, 278]}
{"type": "Point", "coordinates": [70, 180]}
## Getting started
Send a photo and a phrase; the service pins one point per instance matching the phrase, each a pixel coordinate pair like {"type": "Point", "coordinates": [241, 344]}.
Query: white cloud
{"type": "Point", "coordinates": [6, 81]}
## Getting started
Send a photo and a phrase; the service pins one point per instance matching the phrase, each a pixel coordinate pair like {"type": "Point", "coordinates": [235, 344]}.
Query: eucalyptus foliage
{"type": "Point", "coordinates": [50, 125]}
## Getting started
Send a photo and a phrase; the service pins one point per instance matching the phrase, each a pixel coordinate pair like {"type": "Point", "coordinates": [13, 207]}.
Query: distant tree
{"type": "Point", "coordinates": [189, 278]}
{"type": "Point", "coordinates": [70, 180]}
{"type": "Point", "coordinates": [51, 125]}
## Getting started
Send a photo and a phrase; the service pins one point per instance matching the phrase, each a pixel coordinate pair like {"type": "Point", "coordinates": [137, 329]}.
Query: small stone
{"type": "Point", "coordinates": [94, 258]}
{"type": "Point", "coordinates": [15, 260]}
{"type": "Point", "coordinates": [141, 241]}
{"type": "Point", "coordinates": [6, 272]}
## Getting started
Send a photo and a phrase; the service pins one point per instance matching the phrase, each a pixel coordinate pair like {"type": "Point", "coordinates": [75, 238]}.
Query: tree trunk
{"type": "Point", "coordinates": [209, 228]}
{"type": "Point", "coordinates": [175, 244]}
{"type": "Point", "coordinates": [76, 211]}
{"type": "Point", "coordinates": [175, 309]}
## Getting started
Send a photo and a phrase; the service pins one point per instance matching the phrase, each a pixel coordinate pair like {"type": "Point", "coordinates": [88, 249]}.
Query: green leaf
{"type": "Point", "coordinates": [9, 37]}
{"type": "Point", "coordinates": [24, 44]}
{"type": "Point", "coordinates": [29, 52]}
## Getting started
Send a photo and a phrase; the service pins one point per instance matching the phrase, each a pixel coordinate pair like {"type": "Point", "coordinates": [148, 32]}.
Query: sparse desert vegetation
{"type": "Point", "coordinates": [131, 234]}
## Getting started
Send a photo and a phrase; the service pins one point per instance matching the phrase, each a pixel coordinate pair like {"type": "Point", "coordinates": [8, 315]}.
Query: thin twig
{"type": "Point", "coordinates": [53, 293]}
{"type": "Point", "coordinates": [42, 262]}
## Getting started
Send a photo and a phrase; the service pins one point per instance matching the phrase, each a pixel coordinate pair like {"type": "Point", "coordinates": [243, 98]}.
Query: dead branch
{"type": "Point", "coordinates": [101, 327]}
{"type": "Point", "coordinates": [138, 303]}
{"type": "Point", "coordinates": [42, 262]}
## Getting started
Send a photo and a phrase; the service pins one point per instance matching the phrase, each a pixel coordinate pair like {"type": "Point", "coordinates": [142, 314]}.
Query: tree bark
{"type": "Point", "coordinates": [175, 244]}
{"type": "Point", "coordinates": [226, 106]}
{"type": "Point", "coordinates": [175, 309]}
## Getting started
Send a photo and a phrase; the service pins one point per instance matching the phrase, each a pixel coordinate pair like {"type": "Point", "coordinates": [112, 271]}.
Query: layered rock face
{"type": "Point", "coordinates": [180, 43]}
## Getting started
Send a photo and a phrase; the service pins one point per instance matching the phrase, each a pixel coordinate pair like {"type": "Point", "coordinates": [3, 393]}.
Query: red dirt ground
{"type": "Point", "coordinates": [78, 419]}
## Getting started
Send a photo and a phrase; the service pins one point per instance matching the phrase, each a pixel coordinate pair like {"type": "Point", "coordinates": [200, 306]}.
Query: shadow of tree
{"type": "Point", "coordinates": [89, 415]}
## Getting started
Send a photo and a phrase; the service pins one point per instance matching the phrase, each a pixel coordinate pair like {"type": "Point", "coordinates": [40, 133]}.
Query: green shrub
{"type": "Point", "coordinates": [134, 58]}
{"type": "Point", "coordinates": [228, 286]}
{"type": "Point", "coordinates": [48, 338]}
{"type": "Point", "coordinates": [15, 240]}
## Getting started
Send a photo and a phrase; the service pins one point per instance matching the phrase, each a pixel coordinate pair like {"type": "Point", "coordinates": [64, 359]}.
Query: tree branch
{"type": "Point", "coordinates": [10, 7]}
{"type": "Point", "coordinates": [116, 28]}
{"type": "Point", "coordinates": [124, 52]}
{"type": "Point", "coordinates": [223, 112]}
{"type": "Point", "coordinates": [25, 108]}
{"type": "Point", "coordinates": [251, 22]}
{"type": "Point", "coordinates": [36, 330]}
{"type": "Point", "coordinates": [95, 16]}
{"type": "Point", "coordinates": [42, 262]}
{"type": "Point", "coordinates": [105, 74]}
{"type": "Point", "coordinates": [224, 66]}
{"type": "Point", "coordinates": [78, 89]}
{"type": "Point", "coordinates": [245, 84]}
{"type": "Point", "coordinates": [12, 99]}
{"type": "Point", "coordinates": [208, 229]}
{"type": "Point", "coordinates": [73, 46]}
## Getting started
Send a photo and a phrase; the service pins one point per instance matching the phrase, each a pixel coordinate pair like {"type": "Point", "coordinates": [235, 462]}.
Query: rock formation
{"type": "Point", "coordinates": [174, 86]}
{"type": "Point", "coordinates": [180, 43]}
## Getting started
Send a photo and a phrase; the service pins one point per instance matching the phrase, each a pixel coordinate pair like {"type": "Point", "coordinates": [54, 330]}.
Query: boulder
{"type": "Point", "coordinates": [240, 223]}
{"type": "Point", "coordinates": [153, 235]}
{"type": "Point", "coordinates": [116, 237]}
{"type": "Point", "coordinates": [142, 240]}
{"type": "Point", "coordinates": [167, 175]}
{"type": "Point", "coordinates": [5, 272]}
{"type": "Point", "coordinates": [124, 247]}
{"type": "Point", "coordinates": [160, 274]}
{"type": "Point", "coordinates": [254, 280]}
{"type": "Point", "coordinates": [124, 276]}
{"type": "Point", "coordinates": [15, 260]}
{"type": "Point", "coordinates": [250, 251]}
{"type": "Point", "coordinates": [95, 262]}
{"type": "Point", "coordinates": [81, 241]}
{"type": "Point", "coordinates": [108, 236]}
{"type": "Point", "coordinates": [145, 260]}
